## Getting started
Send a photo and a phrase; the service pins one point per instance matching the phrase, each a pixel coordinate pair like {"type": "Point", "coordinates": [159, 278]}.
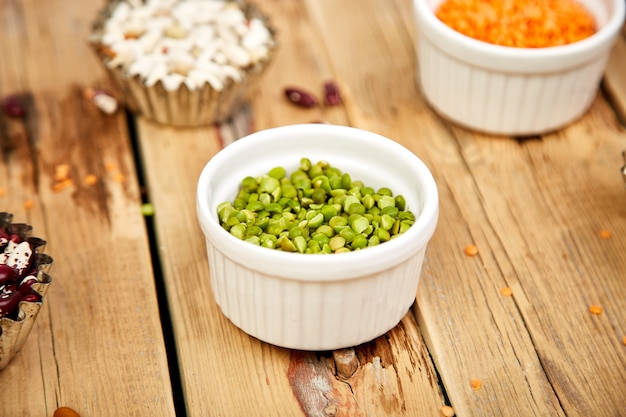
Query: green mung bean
{"type": "Point", "coordinates": [317, 208]}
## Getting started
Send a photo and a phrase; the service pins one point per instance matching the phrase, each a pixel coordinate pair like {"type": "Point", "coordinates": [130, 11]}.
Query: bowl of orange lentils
{"type": "Point", "coordinates": [514, 67]}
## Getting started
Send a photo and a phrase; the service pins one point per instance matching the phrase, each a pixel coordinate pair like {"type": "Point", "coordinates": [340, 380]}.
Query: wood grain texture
{"type": "Point", "coordinates": [97, 345]}
{"type": "Point", "coordinates": [614, 82]}
{"type": "Point", "coordinates": [535, 208]}
{"type": "Point", "coordinates": [394, 376]}
{"type": "Point", "coordinates": [402, 115]}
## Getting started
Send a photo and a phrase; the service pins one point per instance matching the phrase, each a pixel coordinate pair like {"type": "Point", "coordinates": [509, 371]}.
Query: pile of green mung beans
{"type": "Point", "coordinates": [316, 209]}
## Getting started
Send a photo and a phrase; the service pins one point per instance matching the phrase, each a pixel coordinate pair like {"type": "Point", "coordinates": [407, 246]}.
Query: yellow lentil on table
{"type": "Point", "coordinates": [61, 172]}
{"type": "Point", "coordinates": [506, 291]}
{"type": "Point", "coordinates": [91, 179]}
{"type": "Point", "coordinates": [605, 234]}
{"type": "Point", "coordinates": [519, 23]}
{"type": "Point", "coordinates": [62, 185]}
{"type": "Point", "coordinates": [476, 384]}
{"type": "Point", "coordinates": [471, 250]}
{"type": "Point", "coordinates": [65, 412]}
{"type": "Point", "coordinates": [595, 309]}
{"type": "Point", "coordinates": [447, 411]}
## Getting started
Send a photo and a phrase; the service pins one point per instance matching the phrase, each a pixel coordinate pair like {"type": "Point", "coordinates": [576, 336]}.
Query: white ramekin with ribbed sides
{"type": "Point", "coordinates": [512, 91]}
{"type": "Point", "coordinates": [314, 301]}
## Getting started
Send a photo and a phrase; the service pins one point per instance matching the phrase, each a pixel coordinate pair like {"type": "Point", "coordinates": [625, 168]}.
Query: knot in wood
{"type": "Point", "coordinates": [346, 362]}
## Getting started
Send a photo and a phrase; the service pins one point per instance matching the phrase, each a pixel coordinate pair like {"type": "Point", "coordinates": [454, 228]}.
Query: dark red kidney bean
{"type": "Point", "coordinates": [4, 236]}
{"type": "Point", "coordinates": [9, 303]}
{"type": "Point", "coordinates": [26, 284]}
{"type": "Point", "coordinates": [32, 298]}
{"type": "Point", "coordinates": [13, 106]}
{"type": "Point", "coordinates": [300, 97]}
{"type": "Point", "coordinates": [332, 97]}
{"type": "Point", "coordinates": [7, 274]}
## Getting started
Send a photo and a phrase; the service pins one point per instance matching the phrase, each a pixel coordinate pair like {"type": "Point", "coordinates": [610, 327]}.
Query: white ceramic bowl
{"type": "Point", "coordinates": [313, 301]}
{"type": "Point", "coordinates": [512, 91]}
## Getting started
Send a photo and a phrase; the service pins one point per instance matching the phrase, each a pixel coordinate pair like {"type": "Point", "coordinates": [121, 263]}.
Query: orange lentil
{"type": "Point", "coordinates": [65, 412]}
{"type": "Point", "coordinates": [58, 187]}
{"type": "Point", "coordinates": [605, 234]}
{"type": "Point", "coordinates": [108, 167]}
{"type": "Point", "coordinates": [595, 309]}
{"type": "Point", "coordinates": [61, 172]}
{"type": "Point", "coordinates": [519, 23]}
{"type": "Point", "coordinates": [624, 340]}
{"type": "Point", "coordinates": [506, 291]}
{"type": "Point", "coordinates": [471, 250]}
{"type": "Point", "coordinates": [447, 411]}
{"type": "Point", "coordinates": [3, 192]}
{"type": "Point", "coordinates": [62, 184]}
{"type": "Point", "coordinates": [476, 384]}
{"type": "Point", "coordinates": [29, 204]}
{"type": "Point", "coordinates": [119, 178]}
{"type": "Point", "coordinates": [91, 179]}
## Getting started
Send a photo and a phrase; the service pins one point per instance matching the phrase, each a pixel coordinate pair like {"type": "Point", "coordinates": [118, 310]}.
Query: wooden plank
{"type": "Point", "coordinates": [534, 209]}
{"type": "Point", "coordinates": [209, 345]}
{"type": "Point", "coordinates": [214, 356]}
{"type": "Point", "coordinates": [491, 341]}
{"type": "Point", "coordinates": [614, 81]}
{"type": "Point", "coordinates": [394, 375]}
{"type": "Point", "coordinates": [97, 345]}
{"type": "Point", "coordinates": [390, 103]}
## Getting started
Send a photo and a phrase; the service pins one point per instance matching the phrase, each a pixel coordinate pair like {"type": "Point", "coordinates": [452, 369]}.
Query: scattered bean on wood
{"type": "Point", "coordinates": [315, 209]}
{"type": "Point", "coordinates": [90, 179]}
{"type": "Point", "coordinates": [332, 96]}
{"type": "Point", "coordinates": [303, 98]}
{"type": "Point", "coordinates": [300, 97]}
{"type": "Point", "coordinates": [595, 309]}
{"type": "Point", "coordinates": [147, 209]}
{"type": "Point", "coordinates": [13, 106]}
{"type": "Point", "coordinates": [102, 100]}
{"type": "Point", "coordinates": [476, 384]}
{"type": "Point", "coordinates": [605, 234]}
{"type": "Point", "coordinates": [471, 250]}
{"type": "Point", "coordinates": [447, 411]}
{"type": "Point", "coordinates": [65, 412]}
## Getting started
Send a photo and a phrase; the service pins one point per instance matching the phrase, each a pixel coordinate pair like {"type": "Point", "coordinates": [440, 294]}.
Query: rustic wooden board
{"type": "Point", "coordinates": [482, 179]}
{"type": "Point", "coordinates": [403, 116]}
{"type": "Point", "coordinates": [394, 374]}
{"type": "Point", "coordinates": [97, 345]}
{"type": "Point", "coordinates": [614, 80]}
{"type": "Point", "coordinates": [535, 209]}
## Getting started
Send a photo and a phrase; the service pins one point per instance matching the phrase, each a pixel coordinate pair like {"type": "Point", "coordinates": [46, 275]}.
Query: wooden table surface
{"type": "Point", "coordinates": [130, 327]}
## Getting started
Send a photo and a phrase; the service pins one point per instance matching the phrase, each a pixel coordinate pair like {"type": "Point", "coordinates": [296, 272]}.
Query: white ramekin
{"type": "Point", "coordinates": [306, 301]}
{"type": "Point", "coordinates": [512, 91]}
